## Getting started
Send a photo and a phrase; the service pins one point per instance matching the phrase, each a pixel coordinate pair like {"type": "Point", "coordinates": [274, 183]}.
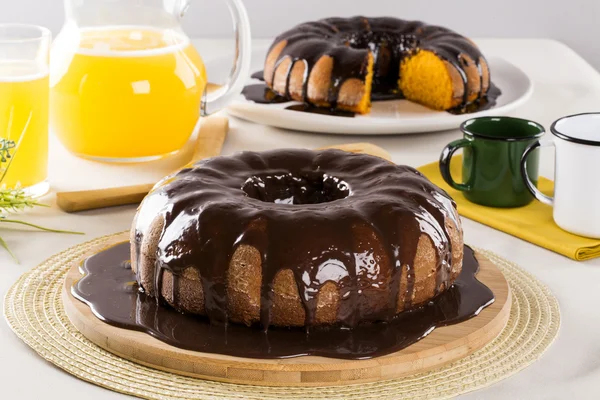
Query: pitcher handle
{"type": "Point", "coordinates": [220, 98]}
{"type": "Point", "coordinates": [534, 190]}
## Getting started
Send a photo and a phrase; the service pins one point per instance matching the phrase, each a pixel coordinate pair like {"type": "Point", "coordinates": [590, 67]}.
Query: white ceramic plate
{"type": "Point", "coordinates": [386, 117]}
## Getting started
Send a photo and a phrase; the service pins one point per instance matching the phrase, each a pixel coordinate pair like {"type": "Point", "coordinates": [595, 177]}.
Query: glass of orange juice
{"type": "Point", "coordinates": [24, 105]}
{"type": "Point", "coordinates": [126, 85]}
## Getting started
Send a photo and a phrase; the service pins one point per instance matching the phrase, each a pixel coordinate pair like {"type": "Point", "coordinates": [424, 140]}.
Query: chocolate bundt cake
{"type": "Point", "coordinates": [296, 238]}
{"type": "Point", "coordinates": [341, 62]}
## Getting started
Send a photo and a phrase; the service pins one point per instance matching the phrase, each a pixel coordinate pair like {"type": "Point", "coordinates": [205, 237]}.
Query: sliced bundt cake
{"type": "Point", "coordinates": [341, 62]}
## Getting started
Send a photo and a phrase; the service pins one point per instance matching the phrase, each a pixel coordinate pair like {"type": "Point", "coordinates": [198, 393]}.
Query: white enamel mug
{"type": "Point", "coordinates": [576, 198]}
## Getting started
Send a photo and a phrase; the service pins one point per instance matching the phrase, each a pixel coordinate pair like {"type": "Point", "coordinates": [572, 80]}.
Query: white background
{"type": "Point", "coordinates": [574, 22]}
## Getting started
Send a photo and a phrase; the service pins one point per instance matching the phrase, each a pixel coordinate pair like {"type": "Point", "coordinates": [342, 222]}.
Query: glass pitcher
{"type": "Point", "coordinates": [126, 84]}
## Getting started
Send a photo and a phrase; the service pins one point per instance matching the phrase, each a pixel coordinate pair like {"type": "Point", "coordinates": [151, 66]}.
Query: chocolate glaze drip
{"type": "Point", "coordinates": [110, 289]}
{"type": "Point", "coordinates": [390, 95]}
{"type": "Point", "coordinates": [260, 93]}
{"type": "Point", "coordinates": [258, 75]}
{"type": "Point", "coordinates": [349, 41]}
{"type": "Point", "coordinates": [307, 108]}
{"type": "Point", "coordinates": [483, 103]}
{"type": "Point", "coordinates": [300, 209]}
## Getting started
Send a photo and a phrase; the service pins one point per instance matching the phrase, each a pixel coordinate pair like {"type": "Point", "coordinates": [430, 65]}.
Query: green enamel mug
{"type": "Point", "coordinates": [491, 165]}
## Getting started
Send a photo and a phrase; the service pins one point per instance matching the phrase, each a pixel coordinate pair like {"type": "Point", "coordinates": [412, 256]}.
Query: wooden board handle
{"type": "Point", "coordinates": [211, 137]}
{"type": "Point", "coordinates": [209, 143]}
{"type": "Point", "coordinates": [363, 148]}
{"type": "Point", "coordinates": [91, 199]}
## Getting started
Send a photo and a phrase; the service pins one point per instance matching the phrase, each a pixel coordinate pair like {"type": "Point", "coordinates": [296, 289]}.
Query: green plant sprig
{"type": "Point", "coordinates": [15, 200]}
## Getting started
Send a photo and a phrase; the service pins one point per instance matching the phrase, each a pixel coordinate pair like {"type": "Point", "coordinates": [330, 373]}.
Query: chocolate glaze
{"type": "Point", "coordinates": [483, 103]}
{"type": "Point", "coordinates": [384, 96]}
{"type": "Point", "coordinates": [349, 41]}
{"type": "Point", "coordinates": [260, 93]}
{"type": "Point", "coordinates": [110, 289]}
{"type": "Point", "coordinates": [258, 75]}
{"type": "Point", "coordinates": [303, 107]}
{"type": "Point", "coordinates": [299, 209]}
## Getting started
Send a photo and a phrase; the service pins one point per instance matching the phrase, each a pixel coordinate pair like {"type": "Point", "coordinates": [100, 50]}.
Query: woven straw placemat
{"type": "Point", "coordinates": [34, 310]}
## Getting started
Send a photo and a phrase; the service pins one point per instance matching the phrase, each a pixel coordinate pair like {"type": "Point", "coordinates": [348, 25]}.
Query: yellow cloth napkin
{"type": "Point", "coordinates": [532, 223]}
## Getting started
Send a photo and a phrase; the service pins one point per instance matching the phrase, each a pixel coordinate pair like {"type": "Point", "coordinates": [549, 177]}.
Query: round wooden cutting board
{"type": "Point", "coordinates": [442, 346]}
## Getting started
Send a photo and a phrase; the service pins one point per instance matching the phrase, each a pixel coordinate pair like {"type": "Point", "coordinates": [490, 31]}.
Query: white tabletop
{"type": "Point", "coordinates": [564, 84]}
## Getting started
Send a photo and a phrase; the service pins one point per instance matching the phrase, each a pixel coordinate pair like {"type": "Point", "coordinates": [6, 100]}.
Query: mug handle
{"type": "Point", "coordinates": [220, 98]}
{"type": "Point", "coordinates": [445, 158]}
{"type": "Point", "coordinates": [534, 190]}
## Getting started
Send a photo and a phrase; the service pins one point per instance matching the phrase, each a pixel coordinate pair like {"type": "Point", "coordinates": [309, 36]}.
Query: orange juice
{"type": "Point", "coordinates": [126, 93]}
{"type": "Point", "coordinates": [24, 120]}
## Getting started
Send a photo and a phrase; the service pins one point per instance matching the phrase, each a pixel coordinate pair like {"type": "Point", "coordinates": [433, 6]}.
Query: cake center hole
{"type": "Point", "coordinates": [288, 188]}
